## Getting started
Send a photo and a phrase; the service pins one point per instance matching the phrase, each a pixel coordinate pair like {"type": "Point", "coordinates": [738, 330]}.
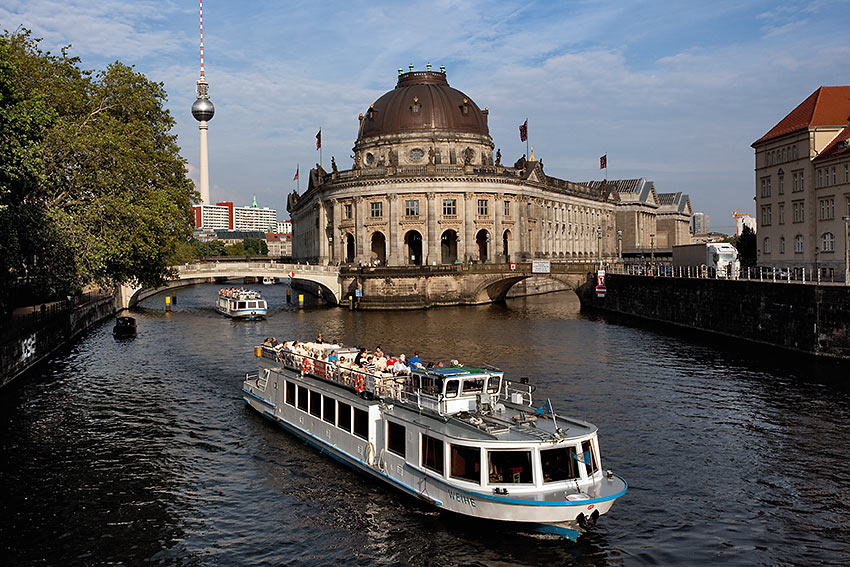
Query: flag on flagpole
{"type": "Point", "coordinates": [603, 162]}
{"type": "Point", "coordinates": [319, 139]}
{"type": "Point", "coordinates": [296, 173]}
{"type": "Point", "coordinates": [523, 131]}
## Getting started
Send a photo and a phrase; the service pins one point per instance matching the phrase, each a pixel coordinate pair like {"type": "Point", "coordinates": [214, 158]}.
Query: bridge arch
{"type": "Point", "coordinates": [497, 286]}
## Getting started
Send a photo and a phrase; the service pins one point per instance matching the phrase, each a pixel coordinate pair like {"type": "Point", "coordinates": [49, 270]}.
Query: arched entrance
{"type": "Point", "coordinates": [448, 247]}
{"type": "Point", "coordinates": [482, 241]}
{"type": "Point", "coordinates": [506, 238]}
{"type": "Point", "coordinates": [379, 248]}
{"type": "Point", "coordinates": [413, 248]}
{"type": "Point", "coordinates": [349, 248]}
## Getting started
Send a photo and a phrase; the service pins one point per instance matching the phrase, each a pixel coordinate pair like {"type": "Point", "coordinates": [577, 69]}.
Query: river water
{"type": "Point", "coordinates": [142, 451]}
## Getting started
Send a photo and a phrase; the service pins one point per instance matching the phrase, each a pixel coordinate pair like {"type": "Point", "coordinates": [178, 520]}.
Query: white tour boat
{"type": "Point", "coordinates": [269, 280]}
{"type": "Point", "coordinates": [463, 439]}
{"type": "Point", "coordinates": [241, 303]}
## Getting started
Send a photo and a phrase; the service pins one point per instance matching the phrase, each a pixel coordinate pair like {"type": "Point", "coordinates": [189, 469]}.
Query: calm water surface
{"type": "Point", "coordinates": [142, 451]}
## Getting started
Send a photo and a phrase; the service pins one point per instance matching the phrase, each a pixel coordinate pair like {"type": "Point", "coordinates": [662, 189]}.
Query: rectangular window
{"type": "Point", "coordinates": [768, 186]}
{"type": "Point", "coordinates": [799, 212]}
{"type": "Point", "coordinates": [482, 207]}
{"type": "Point", "coordinates": [432, 454]}
{"type": "Point", "coordinates": [834, 178]}
{"type": "Point", "coordinates": [589, 457]}
{"type": "Point", "coordinates": [316, 404]}
{"type": "Point", "coordinates": [290, 393]}
{"type": "Point", "coordinates": [508, 208]}
{"type": "Point", "coordinates": [820, 178]}
{"type": "Point", "coordinates": [465, 463]}
{"type": "Point", "coordinates": [361, 423]}
{"type": "Point", "coordinates": [347, 214]}
{"type": "Point", "coordinates": [411, 208]}
{"type": "Point", "coordinates": [511, 467]}
{"type": "Point", "coordinates": [765, 216]}
{"type": "Point", "coordinates": [396, 438]}
{"type": "Point", "coordinates": [302, 398]}
{"type": "Point", "coordinates": [802, 181]}
{"type": "Point", "coordinates": [377, 210]}
{"type": "Point", "coordinates": [329, 409]}
{"type": "Point", "coordinates": [559, 464]}
{"type": "Point", "coordinates": [846, 173]}
{"type": "Point", "coordinates": [781, 213]}
{"type": "Point", "coordinates": [343, 417]}
{"type": "Point", "coordinates": [781, 184]}
{"type": "Point", "coordinates": [449, 206]}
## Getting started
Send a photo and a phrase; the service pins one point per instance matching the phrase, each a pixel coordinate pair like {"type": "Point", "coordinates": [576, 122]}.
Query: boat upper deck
{"type": "Point", "coordinates": [458, 401]}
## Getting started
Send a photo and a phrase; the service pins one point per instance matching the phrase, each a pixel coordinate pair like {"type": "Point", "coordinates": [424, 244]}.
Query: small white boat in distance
{"type": "Point", "coordinates": [241, 303]}
{"type": "Point", "coordinates": [269, 280]}
{"type": "Point", "coordinates": [462, 438]}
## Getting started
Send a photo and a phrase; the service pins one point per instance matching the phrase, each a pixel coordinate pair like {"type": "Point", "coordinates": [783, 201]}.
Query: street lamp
{"type": "Point", "coordinates": [599, 245]}
{"type": "Point", "coordinates": [846, 250]}
{"type": "Point", "coordinates": [652, 248]}
{"type": "Point", "coordinates": [620, 245]}
{"type": "Point", "coordinates": [817, 273]}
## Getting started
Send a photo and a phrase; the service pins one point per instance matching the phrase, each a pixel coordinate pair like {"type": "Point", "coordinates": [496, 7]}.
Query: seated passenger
{"type": "Point", "coordinates": [320, 339]}
{"type": "Point", "coordinates": [381, 363]}
{"type": "Point", "coordinates": [414, 360]}
{"type": "Point", "coordinates": [332, 357]}
{"type": "Point", "coordinates": [400, 367]}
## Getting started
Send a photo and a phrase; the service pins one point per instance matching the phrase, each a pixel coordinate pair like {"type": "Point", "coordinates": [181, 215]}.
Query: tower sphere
{"type": "Point", "coordinates": [203, 109]}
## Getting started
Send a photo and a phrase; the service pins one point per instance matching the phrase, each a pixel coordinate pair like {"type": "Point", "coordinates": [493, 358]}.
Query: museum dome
{"type": "Point", "coordinates": [423, 103]}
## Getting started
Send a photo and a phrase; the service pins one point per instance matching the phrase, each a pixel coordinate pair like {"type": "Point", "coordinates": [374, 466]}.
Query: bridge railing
{"type": "Point", "coordinates": [801, 275]}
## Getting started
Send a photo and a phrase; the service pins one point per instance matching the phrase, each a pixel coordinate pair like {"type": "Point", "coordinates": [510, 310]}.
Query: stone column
{"type": "Point", "coordinates": [468, 227]}
{"type": "Point", "coordinates": [323, 234]}
{"type": "Point", "coordinates": [522, 225]}
{"type": "Point", "coordinates": [338, 254]}
{"type": "Point", "coordinates": [496, 251]}
{"type": "Point", "coordinates": [360, 230]}
{"type": "Point", "coordinates": [393, 245]}
{"type": "Point", "coordinates": [431, 246]}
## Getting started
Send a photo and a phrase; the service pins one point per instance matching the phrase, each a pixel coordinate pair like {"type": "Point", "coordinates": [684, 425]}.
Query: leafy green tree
{"type": "Point", "coordinates": [746, 245]}
{"type": "Point", "coordinates": [92, 186]}
{"type": "Point", "coordinates": [210, 248]}
{"type": "Point", "coordinates": [237, 249]}
{"type": "Point", "coordinates": [255, 246]}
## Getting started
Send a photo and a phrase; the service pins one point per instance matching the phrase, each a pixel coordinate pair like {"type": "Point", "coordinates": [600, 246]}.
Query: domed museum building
{"type": "Point", "coordinates": [428, 187]}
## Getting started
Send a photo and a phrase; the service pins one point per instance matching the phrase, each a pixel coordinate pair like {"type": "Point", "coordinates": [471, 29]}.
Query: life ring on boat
{"type": "Point", "coordinates": [304, 366]}
{"type": "Point", "coordinates": [358, 383]}
{"type": "Point", "coordinates": [370, 454]}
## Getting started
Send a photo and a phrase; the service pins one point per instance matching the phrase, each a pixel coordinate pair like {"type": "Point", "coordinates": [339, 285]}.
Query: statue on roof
{"type": "Point", "coordinates": [498, 157]}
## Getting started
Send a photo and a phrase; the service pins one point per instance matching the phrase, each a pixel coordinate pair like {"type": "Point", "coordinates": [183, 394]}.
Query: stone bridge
{"type": "Point", "coordinates": [325, 278]}
{"type": "Point", "coordinates": [406, 287]}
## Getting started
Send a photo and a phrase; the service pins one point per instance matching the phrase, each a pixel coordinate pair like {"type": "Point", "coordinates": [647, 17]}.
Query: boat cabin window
{"type": "Point", "coordinates": [473, 385]}
{"type": "Point", "coordinates": [240, 305]}
{"type": "Point", "coordinates": [466, 463]}
{"type": "Point", "coordinates": [290, 393]}
{"type": "Point", "coordinates": [252, 305]}
{"type": "Point", "coordinates": [261, 304]}
{"type": "Point", "coordinates": [427, 384]}
{"type": "Point", "coordinates": [509, 467]}
{"type": "Point", "coordinates": [559, 464]}
{"type": "Point", "coordinates": [302, 398]}
{"type": "Point", "coordinates": [329, 409]}
{"type": "Point", "coordinates": [493, 384]}
{"type": "Point", "coordinates": [343, 418]}
{"type": "Point", "coordinates": [316, 404]}
{"type": "Point", "coordinates": [432, 454]}
{"type": "Point", "coordinates": [452, 387]}
{"type": "Point", "coordinates": [361, 423]}
{"type": "Point", "coordinates": [588, 457]}
{"type": "Point", "coordinates": [395, 438]}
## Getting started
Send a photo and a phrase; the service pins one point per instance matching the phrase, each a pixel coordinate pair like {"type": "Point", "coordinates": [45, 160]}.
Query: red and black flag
{"type": "Point", "coordinates": [603, 162]}
{"type": "Point", "coordinates": [296, 172]}
{"type": "Point", "coordinates": [523, 131]}
{"type": "Point", "coordinates": [319, 139]}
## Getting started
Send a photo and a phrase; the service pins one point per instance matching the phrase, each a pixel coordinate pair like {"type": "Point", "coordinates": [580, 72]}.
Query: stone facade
{"type": "Point", "coordinates": [802, 186]}
{"type": "Point", "coordinates": [426, 188]}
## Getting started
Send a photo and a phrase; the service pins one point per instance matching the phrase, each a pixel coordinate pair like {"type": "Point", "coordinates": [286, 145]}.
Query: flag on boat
{"type": "Point", "coordinates": [523, 131]}
{"type": "Point", "coordinates": [583, 458]}
{"type": "Point", "coordinates": [319, 139]}
{"type": "Point", "coordinates": [603, 162]}
{"type": "Point", "coordinates": [545, 409]}
{"type": "Point", "coordinates": [296, 172]}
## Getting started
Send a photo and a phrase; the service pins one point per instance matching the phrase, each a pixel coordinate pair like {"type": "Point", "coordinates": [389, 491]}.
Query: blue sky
{"type": "Point", "coordinates": [672, 91]}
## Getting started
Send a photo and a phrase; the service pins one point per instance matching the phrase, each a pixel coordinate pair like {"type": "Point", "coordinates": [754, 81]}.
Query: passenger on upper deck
{"type": "Point", "coordinates": [400, 367]}
{"type": "Point", "coordinates": [320, 339]}
{"type": "Point", "coordinates": [358, 360]}
{"type": "Point", "coordinates": [414, 360]}
{"type": "Point", "coordinates": [332, 357]}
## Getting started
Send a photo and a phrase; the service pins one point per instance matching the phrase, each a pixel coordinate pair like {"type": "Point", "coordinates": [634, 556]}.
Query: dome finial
{"type": "Point", "coordinates": [411, 67]}
{"type": "Point", "coordinates": [400, 70]}
{"type": "Point", "coordinates": [443, 69]}
{"type": "Point", "coordinates": [428, 66]}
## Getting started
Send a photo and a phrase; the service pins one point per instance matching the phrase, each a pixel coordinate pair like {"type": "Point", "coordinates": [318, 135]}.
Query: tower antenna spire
{"type": "Point", "coordinates": [203, 111]}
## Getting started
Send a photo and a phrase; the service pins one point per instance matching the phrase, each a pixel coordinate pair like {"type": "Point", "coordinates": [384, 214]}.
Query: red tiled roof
{"type": "Point", "coordinates": [827, 106]}
{"type": "Point", "coordinates": [835, 147]}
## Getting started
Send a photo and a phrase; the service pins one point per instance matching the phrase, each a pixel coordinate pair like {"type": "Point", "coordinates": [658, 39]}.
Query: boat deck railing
{"type": "Point", "coordinates": [381, 385]}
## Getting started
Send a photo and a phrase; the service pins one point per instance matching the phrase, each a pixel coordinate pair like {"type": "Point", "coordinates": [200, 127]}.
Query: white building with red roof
{"type": "Point", "coordinates": [802, 192]}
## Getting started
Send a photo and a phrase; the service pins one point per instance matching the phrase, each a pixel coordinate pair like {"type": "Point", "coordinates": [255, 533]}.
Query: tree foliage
{"type": "Point", "coordinates": [92, 186]}
{"type": "Point", "coordinates": [746, 245]}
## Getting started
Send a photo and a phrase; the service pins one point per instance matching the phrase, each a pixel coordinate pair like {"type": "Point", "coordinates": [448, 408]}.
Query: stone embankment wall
{"type": "Point", "coordinates": [803, 317]}
{"type": "Point", "coordinates": [22, 353]}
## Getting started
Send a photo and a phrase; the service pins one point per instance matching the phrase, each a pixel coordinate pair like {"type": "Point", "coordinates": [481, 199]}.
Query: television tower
{"type": "Point", "coordinates": [203, 110]}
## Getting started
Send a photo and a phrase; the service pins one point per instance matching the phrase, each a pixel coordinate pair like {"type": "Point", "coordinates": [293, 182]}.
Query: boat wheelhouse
{"type": "Point", "coordinates": [241, 303]}
{"type": "Point", "coordinates": [463, 438]}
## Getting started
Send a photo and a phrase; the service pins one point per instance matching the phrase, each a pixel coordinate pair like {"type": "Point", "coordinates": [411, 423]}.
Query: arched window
{"type": "Point", "coordinates": [798, 244]}
{"type": "Point", "coordinates": [828, 242]}
{"type": "Point", "coordinates": [766, 246]}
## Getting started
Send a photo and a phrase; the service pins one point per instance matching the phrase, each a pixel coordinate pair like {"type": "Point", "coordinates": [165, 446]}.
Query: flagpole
{"type": "Point", "coordinates": [527, 153]}
{"type": "Point", "coordinates": [298, 178]}
{"type": "Point", "coordinates": [321, 161]}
